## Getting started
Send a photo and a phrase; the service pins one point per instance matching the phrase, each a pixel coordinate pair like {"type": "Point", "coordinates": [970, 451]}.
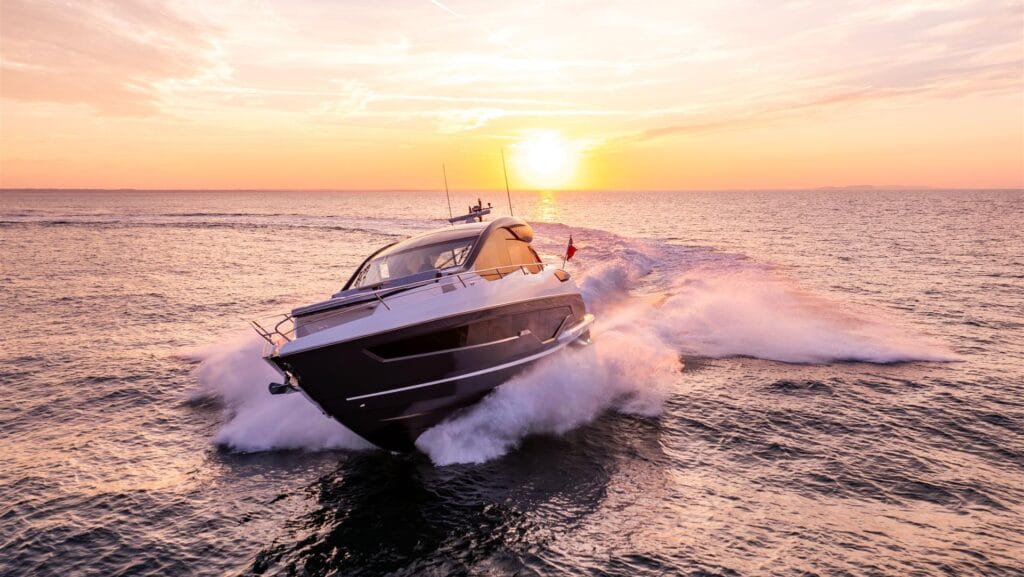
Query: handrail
{"type": "Point", "coordinates": [268, 335]}
{"type": "Point", "coordinates": [378, 294]}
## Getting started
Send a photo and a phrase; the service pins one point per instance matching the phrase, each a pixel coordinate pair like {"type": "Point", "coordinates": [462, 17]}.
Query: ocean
{"type": "Point", "coordinates": [781, 383]}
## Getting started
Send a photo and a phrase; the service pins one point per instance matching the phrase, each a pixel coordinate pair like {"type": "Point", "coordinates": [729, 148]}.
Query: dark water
{"type": "Point", "coordinates": [785, 383]}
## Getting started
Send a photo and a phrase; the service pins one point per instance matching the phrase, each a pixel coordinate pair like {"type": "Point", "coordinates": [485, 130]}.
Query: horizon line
{"type": "Point", "coordinates": [856, 187]}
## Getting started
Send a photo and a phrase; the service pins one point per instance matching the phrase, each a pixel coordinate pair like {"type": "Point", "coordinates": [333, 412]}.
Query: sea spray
{"type": "Point", "coordinates": [758, 313]}
{"type": "Point", "coordinates": [704, 302]}
{"type": "Point", "coordinates": [623, 370]}
{"type": "Point", "coordinates": [234, 372]}
{"type": "Point", "coordinates": [699, 303]}
{"type": "Point", "coordinates": [633, 364]}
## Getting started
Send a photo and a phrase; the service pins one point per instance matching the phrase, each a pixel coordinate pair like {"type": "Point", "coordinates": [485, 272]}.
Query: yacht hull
{"type": "Point", "coordinates": [391, 387]}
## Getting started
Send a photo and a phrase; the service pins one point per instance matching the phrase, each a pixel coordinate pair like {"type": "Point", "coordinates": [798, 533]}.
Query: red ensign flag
{"type": "Point", "coordinates": [571, 250]}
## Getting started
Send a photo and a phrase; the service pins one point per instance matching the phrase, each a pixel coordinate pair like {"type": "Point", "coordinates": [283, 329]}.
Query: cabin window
{"type": "Point", "coordinates": [413, 261]}
{"type": "Point", "coordinates": [542, 324]}
{"type": "Point", "coordinates": [423, 344]}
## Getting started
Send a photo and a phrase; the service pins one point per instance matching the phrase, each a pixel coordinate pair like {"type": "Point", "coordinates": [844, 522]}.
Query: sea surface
{"type": "Point", "coordinates": [781, 383]}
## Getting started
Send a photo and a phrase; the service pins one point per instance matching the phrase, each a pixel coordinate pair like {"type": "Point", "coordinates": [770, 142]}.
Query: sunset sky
{"type": "Point", "coordinates": [586, 95]}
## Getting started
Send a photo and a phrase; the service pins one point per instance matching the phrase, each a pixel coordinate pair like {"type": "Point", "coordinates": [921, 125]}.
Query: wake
{"type": "Point", "coordinates": [654, 302]}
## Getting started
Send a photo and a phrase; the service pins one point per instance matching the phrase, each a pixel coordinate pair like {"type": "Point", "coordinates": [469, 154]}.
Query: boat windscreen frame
{"type": "Point", "coordinates": [383, 254]}
{"type": "Point", "coordinates": [363, 264]}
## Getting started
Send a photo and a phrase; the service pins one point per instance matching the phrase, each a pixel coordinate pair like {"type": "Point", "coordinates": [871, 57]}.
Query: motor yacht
{"type": "Point", "coordinates": [427, 326]}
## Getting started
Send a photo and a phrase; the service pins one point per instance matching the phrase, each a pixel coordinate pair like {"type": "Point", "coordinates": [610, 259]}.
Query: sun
{"type": "Point", "coordinates": [545, 160]}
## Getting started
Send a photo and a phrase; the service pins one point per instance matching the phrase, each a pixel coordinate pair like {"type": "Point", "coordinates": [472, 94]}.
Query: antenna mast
{"type": "Point", "coordinates": [505, 170]}
{"type": "Point", "coordinates": [445, 172]}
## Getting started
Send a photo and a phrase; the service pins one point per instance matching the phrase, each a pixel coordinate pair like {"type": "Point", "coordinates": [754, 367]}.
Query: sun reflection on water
{"type": "Point", "coordinates": [547, 209]}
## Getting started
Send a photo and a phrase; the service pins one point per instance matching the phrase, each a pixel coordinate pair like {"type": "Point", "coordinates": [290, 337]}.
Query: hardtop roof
{"type": "Point", "coordinates": [456, 232]}
{"type": "Point", "coordinates": [440, 235]}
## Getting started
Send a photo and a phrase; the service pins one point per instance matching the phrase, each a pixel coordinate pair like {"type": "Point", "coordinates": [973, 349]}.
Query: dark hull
{"type": "Point", "coordinates": [390, 387]}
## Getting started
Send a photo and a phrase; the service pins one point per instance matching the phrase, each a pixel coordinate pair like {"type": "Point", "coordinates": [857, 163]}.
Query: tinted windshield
{"type": "Point", "coordinates": [414, 261]}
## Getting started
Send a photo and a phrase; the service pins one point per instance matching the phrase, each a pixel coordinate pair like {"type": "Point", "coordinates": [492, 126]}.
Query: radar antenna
{"type": "Point", "coordinates": [475, 213]}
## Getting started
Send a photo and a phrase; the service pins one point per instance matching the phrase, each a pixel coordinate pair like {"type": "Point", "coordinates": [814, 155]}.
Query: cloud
{"type": "Point", "coordinates": [888, 11]}
{"type": "Point", "coordinates": [981, 80]}
{"type": "Point", "coordinates": [461, 120]}
{"type": "Point", "coordinates": [445, 7]}
{"type": "Point", "coordinates": [354, 98]}
{"type": "Point", "coordinates": [592, 70]}
{"type": "Point", "coordinates": [924, 51]}
{"type": "Point", "coordinates": [105, 54]}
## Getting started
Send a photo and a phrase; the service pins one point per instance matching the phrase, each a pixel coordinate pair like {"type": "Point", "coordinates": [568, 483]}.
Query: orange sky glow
{"type": "Point", "coordinates": [318, 94]}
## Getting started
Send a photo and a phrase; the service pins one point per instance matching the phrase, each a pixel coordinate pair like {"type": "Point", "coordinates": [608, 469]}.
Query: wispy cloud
{"type": "Point", "coordinates": [445, 7]}
{"type": "Point", "coordinates": [955, 53]}
{"type": "Point", "coordinates": [1004, 77]}
{"type": "Point", "coordinates": [659, 74]}
{"type": "Point", "coordinates": [105, 54]}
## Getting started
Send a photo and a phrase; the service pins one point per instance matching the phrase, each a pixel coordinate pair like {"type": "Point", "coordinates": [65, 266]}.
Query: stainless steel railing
{"type": "Point", "coordinates": [275, 335]}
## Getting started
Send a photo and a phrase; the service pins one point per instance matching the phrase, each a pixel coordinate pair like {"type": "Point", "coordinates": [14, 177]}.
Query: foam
{"type": "Point", "coordinates": [234, 372]}
{"type": "Point", "coordinates": [627, 372]}
{"type": "Point", "coordinates": [700, 303]}
{"type": "Point", "coordinates": [759, 314]}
